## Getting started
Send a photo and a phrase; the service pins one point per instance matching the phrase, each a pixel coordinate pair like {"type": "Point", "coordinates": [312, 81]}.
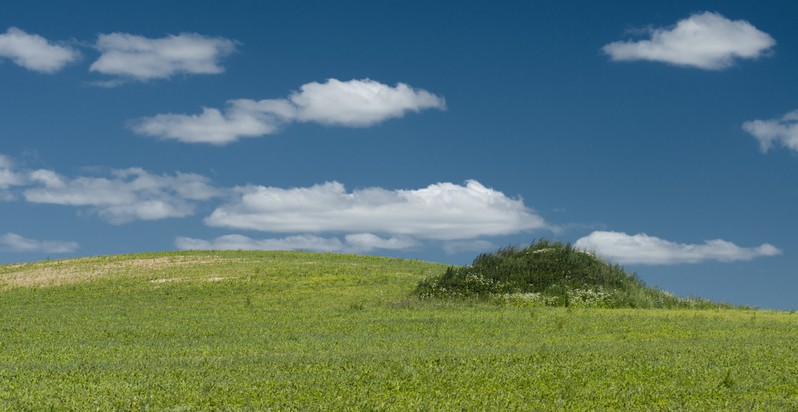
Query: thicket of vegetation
{"type": "Point", "coordinates": [548, 273]}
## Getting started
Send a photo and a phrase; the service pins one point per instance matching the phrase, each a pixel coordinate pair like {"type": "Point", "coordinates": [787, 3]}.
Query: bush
{"type": "Point", "coordinates": [553, 274]}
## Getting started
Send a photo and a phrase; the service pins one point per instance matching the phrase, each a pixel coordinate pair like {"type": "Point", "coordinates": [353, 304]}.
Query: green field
{"type": "Point", "coordinates": [305, 331]}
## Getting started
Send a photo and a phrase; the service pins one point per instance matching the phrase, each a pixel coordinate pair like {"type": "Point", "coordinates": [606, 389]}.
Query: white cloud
{"type": "Point", "coordinates": [11, 242]}
{"type": "Point", "coordinates": [240, 242]}
{"type": "Point", "coordinates": [243, 118]}
{"type": "Point", "coordinates": [140, 58]}
{"type": "Point", "coordinates": [365, 242]}
{"type": "Point", "coordinates": [8, 177]}
{"type": "Point", "coordinates": [355, 103]}
{"type": "Point", "coordinates": [359, 102]}
{"type": "Point", "coordinates": [768, 132]}
{"type": "Point", "coordinates": [649, 250]}
{"type": "Point", "coordinates": [128, 195]}
{"type": "Point", "coordinates": [355, 243]}
{"type": "Point", "coordinates": [443, 211]}
{"type": "Point", "coordinates": [707, 41]}
{"type": "Point", "coordinates": [34, 52]}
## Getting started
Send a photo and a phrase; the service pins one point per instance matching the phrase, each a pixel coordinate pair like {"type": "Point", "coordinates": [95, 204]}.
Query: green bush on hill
{"type": "Point", "coordinates": [549, 273]}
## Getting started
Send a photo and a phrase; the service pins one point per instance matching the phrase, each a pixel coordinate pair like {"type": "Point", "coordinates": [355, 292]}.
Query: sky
{"type": "Point", "coordinates": [662, 136]}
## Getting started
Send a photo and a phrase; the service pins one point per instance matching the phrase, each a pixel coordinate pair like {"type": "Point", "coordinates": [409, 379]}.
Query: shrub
{"type": "Point", "coordinates": [549, 273]}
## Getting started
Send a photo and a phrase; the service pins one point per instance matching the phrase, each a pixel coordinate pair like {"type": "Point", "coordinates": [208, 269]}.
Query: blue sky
{"type": "Point", "coordinates": [662, 136]}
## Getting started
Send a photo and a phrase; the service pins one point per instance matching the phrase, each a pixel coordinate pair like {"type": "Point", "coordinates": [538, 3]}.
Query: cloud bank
{"type": "Point", "coordinates": [34, 52]}
{"type": "Point", "coordinates": [127, 195]}
{"type": "Point", "coordinates": [706, 41]}
{"type": "Point", "coordinates": [324, 217]}
{"type": "Point", "coordinates": [140, 58]}
{"type": "Point", "coordinates": [649, 250]}
{"type": "Point", "coordinates": [443, 211]}
{"type": "Point", "coordinates": [353, 243]}
{"type": "Point", "coordinates": [769, 132]}
{"type": "Point", "coordinates": [354, 103]}
{"type": "Point", "coordinates": [12, 242]}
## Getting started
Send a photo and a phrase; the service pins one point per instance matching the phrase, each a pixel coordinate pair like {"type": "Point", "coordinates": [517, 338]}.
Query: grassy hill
{"type": "Point", "coordinates": [290, 330]}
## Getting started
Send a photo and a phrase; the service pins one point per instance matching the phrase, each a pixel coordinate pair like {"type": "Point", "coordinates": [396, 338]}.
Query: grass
{"type": "Point", "coordinates": [302, 331]}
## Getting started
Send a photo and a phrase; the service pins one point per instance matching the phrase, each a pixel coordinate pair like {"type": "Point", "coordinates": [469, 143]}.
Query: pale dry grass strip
{"type": "Point", "coordinates": [167, 280]}
{"type": "Point", "coordinates": [68, 271]}
{"type": "Point", "coordinates": [215, 279]}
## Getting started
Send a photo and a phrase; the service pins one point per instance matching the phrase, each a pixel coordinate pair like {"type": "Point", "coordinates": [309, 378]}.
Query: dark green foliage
{"type": "Point", "coordinates": [552, 274]}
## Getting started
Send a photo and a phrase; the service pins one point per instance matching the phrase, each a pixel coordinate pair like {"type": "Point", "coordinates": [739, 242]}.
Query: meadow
{"type": "Point", "coordinates": [244, 330]}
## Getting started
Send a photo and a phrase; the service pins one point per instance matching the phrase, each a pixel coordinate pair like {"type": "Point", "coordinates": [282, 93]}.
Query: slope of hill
{"type": "Point", "coordinates": [285, 331]}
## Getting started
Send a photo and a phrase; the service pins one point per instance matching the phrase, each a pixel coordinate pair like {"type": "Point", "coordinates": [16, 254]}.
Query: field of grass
{"type": "Point", "coordinates": [290, 330]}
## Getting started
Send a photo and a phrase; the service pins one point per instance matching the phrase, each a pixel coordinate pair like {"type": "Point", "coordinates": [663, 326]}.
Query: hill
{"type": "Point", "coordinates": [288, 330]}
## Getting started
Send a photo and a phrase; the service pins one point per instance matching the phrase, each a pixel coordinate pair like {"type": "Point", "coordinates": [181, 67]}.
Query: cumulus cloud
{"type": "Point", "coordinates": [354, 103]}
{"type": "Point", "coordinates": [34, 52]}
{"type": "Point", "coordinates": [140, 58]}
{"type": "Point", "coordinates": [354, 243]}
{"type": "Point", "coordinates": [12, 242]}
{"type": "Point", "coordinates": [768, 132]}
{"type": "Point", "coordinates": [8, 176]}
{"type": "Point", "coordinates": [365, 242]}
{"type": "Point", "coordinates": [125, 196]}
{"type": "Point", "coordinates": [706, 40]}
{"type": "Point", "coordinates": [359, 102]}
{"type": "Point", "coordinates": [242, 118]}
{"type": "Point", "coordinates": [649, 250]}
{"type": "Point", "coordinates": [240, 242]}
{"type": "Point", "coordinates": [443, 211]}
